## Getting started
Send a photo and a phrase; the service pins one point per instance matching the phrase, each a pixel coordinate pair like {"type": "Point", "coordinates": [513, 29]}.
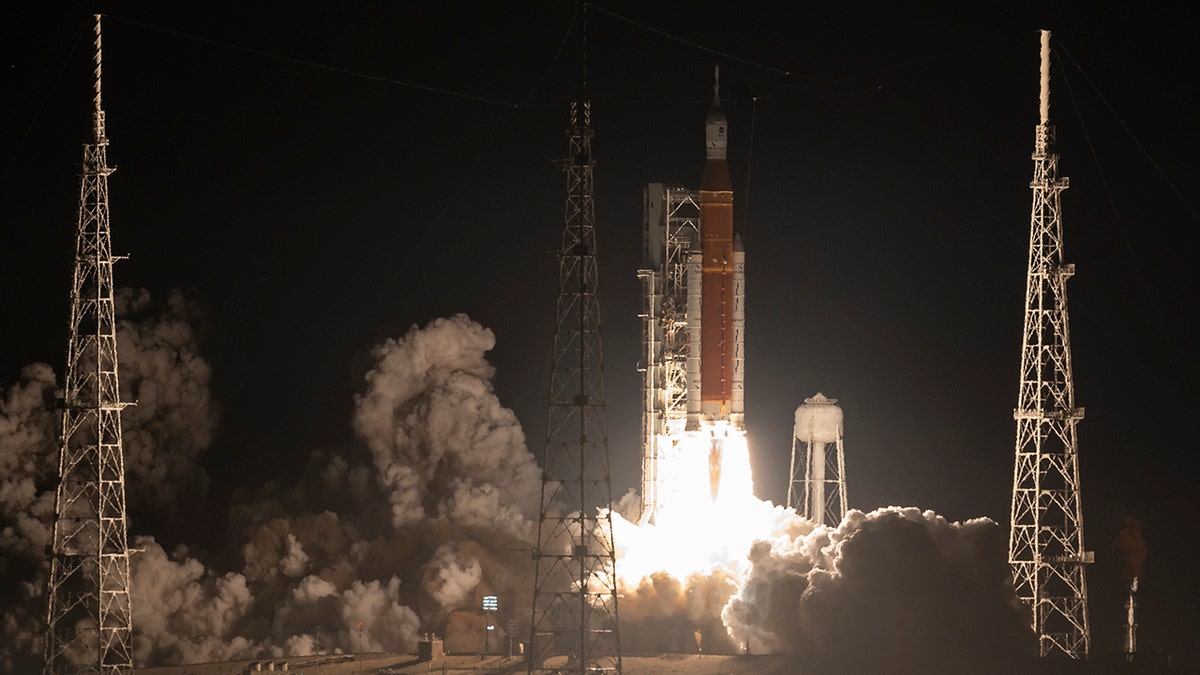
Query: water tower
{"type": "Point", "coordinates": [817, 489]}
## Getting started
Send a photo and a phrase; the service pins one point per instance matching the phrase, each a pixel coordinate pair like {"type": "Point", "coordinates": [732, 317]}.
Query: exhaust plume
{"type": "Point", "coordinates": [894, 590]}
{"type": "Point", "coordinates": [1132, 547]}
{"type": "Point", "coordinates": [442, 444]}
{"type": "Point", "coordinates": [175, 418]}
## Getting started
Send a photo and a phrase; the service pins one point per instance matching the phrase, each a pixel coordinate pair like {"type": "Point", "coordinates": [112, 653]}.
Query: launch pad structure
{"type": "Point", "coordinates": [693, 317]}
{"type": "Point", "coordinates": [671, 225]}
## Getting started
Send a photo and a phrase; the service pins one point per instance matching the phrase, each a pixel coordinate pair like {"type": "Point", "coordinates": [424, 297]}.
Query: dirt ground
{"type": "Point", "coordinates": [407, 664]}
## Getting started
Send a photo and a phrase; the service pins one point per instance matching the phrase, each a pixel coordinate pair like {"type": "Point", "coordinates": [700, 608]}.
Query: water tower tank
{"type": "Point", "coordinates": [819, 420]}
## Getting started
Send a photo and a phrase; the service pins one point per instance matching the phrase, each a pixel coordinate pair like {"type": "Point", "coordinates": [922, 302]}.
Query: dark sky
{"type": "Point", "coordinates": [320, 180]}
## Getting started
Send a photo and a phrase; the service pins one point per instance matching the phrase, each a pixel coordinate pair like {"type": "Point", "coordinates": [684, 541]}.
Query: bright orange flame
{"type": "Point", "coordinates": [693, 531]}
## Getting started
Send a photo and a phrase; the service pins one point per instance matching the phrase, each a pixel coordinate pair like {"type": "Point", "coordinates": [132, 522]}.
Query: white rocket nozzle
{"type": "Point", "coordinates": [1045, 93]}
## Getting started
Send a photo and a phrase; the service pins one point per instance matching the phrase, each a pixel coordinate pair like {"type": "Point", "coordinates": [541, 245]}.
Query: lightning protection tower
{"type": "Point", "coordinates": [574, 622]}
{"type": "Point", "coordinates": [88, 616]}
{"type": "Point", "coordinates": [817, 490]}
{"type": "Point", "coordinates": [1045, 544]}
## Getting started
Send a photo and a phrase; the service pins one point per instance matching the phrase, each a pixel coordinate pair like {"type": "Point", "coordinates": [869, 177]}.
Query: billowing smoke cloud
{"type": "Point", "coordinates": [666, 614]}
{"type": "Point", "coordinates": [442, 443]}
{"type": "Point", "coordinates": [321, 565]}
{"type": "Point", "coordinates": [451, 577]}
{"type": "Point", "coordinates": [28, 433]}
{"type": "Point", "coordinates": [380, 542]}
{"type": "Point", "coordinates": [163, 435]}
{"type": "Point", "coordinates": [894, 590]}
{"type": "Point", "coordinates": [175, 418]}
{"type": "Point", "coordinates": [27, 445]}
{"type": "Point", "coordinates": [181, 612]}
{"type": "Point", "coordinates": [387, 625]}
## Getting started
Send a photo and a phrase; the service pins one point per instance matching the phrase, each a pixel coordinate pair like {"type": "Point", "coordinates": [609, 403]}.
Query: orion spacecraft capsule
{"type": "Point", "coordinates": [716, 293]}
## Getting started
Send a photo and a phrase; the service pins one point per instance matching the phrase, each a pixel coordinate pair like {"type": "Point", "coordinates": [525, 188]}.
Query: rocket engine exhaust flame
{"type": "Point", "coordinates": [745, 573]}
{"type": "Point", "coordinates": [714, 468]}
{"type": "Point", "coordinates": [709, 515]}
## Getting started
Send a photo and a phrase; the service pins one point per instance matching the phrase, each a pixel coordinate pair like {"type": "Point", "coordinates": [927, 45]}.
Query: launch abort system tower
{"type": "Point", "coordinates": [574, 623]}
{"type": "Point", "coordinates": [1045, 544]}
{"type": "Point", "coordinates": [88, 613]}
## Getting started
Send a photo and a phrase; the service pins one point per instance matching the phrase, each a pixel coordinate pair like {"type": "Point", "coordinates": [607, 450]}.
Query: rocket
{"type": "Point", "coordinates": [716, 298]}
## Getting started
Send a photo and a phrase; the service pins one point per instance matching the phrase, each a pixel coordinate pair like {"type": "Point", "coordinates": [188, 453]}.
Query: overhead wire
{"type": "Point", "coordinates": [492, 140]}
{"type": "Point", "coordinates": [1134, 138]}
{"type": "Point", "coordinates": [749, 163]}
{"type": "Point", "coordinates": [670, 36]}
{"type": "Point", "coordinates": [68, 48]}
{"type": "Point", "coordinates": [1137, 266]}
{"type": "Point", "coordinates": [489, 99]}
{"type": "Point", "coordinates": [322, 66]}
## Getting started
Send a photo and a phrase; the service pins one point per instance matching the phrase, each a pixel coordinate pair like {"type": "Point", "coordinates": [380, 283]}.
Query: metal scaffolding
{"type": "Point", "coordinates": [1045, 546]}
{"type": "Point", "coordinates": [671, 225]}
{"type": "Point", "coordinates": [574, 623]}
{"type": "Point", "coordinates": [88, 613]}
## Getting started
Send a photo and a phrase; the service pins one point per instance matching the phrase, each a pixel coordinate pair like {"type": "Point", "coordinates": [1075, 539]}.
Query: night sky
{"type": "Point", "coordinates": [320, 180]}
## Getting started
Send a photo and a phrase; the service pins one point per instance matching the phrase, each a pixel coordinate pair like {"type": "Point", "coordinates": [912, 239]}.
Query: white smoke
{"type": "Point", "coordinates": [323, 568]}
{"type": "Point", "coordinates": [442, 443]}
{"type": "Point", "coordinates": [163, 436]}
{"type": "Point", "coordinates": [451, 577]}
{"type": "Point", "coordinates": [28, 433]}
{"type": "Point", "coordinates": [895, 590]}
{"type": "Point", "coordinates": [183, 613]}
{"type": "Point", "coordinates": [174, 419]}
{"type": "Point", "coordinates": [377, 545]}
{"type": "Point", "coordinates": [27, 443]}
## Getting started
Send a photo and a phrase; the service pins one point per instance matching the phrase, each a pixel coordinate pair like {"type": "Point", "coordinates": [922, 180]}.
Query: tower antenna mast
{"type": "Point", "coordinates": [88, 612]}
{"type": "Point", "coordinates": [574, 622]}
{"type": "Point", "coordinates": [1045, 545]}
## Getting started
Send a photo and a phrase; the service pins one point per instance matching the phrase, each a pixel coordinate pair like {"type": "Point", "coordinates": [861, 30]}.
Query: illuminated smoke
{"type": "Point", "coordinates": [442, 443]}
{"type": "Point", "coordinates": [174, 419]}
{"type": "Point", "coordinates": [894, 590]}
{"type": "Point", "coordinates": [28, 436]}
{"type": "Point", "coordinates": [406, 532]}
{"type": "Point", "coordinates": [897, 590]}
{"type": "Point", "coordinates": [451, 577]}
{"type": "Point", "coordinates": [678, 573]}
{"type": "Point", "coordinates": [26, 505]}
{"type": "Point", "coordinates": [693, 532]}
{"type": "Point", "coordinates": [325, 567]}
{"type": "Point", "coordinates": [164, 436]}
{"type": "Point", "coordinates": [183, 613]}
{"type": "Point", "coordinates": [1132, 547]}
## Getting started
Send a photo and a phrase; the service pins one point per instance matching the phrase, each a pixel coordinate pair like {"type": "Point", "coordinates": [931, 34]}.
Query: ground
{"type": "Point", "coordinates": [697, 664]}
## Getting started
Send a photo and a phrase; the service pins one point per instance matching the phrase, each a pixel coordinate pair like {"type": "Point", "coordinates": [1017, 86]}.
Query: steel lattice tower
{"type": "Point", "coordinates": [1046, 537]}
{"type": "Point", "coordinates": [88, 615]}
{"type": "Point", "coordinates": [671, 223]}
{"type": "Point", "coordinates": [574, 624]}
